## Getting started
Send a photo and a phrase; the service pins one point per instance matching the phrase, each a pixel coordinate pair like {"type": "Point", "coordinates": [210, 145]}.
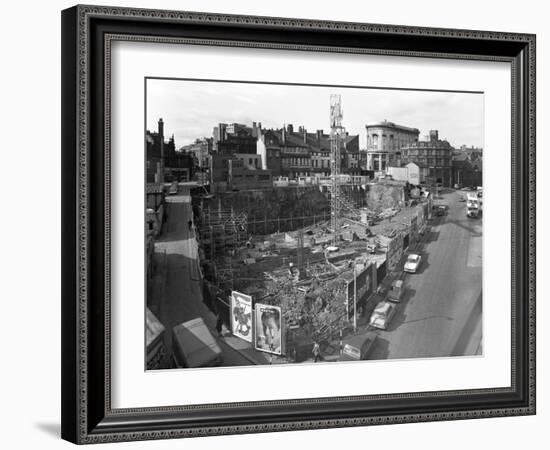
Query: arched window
{"type": "Point", "coordinates": [375, 140]}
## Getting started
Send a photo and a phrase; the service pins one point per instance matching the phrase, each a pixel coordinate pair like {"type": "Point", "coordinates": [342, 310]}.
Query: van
{"type": "Point", "coordinates": [357, 348]}
{"type": "Point", "coordinates": [194, 345]}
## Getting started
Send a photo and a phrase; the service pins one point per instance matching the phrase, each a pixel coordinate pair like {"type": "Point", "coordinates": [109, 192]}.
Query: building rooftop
{"type": "Point", "coordinates": [314, 141]}
{"type": "Point", "coordinates": [387, 124]}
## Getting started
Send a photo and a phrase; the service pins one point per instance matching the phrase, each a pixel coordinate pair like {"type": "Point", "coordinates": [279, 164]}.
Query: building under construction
{"type": "Point", "coordinates": [319, 265]}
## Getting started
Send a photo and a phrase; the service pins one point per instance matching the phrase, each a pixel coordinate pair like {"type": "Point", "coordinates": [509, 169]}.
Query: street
{"type": "Point", "coordinates": [176, 294]}
{"type": "Point", "coordinates": [440, 313]}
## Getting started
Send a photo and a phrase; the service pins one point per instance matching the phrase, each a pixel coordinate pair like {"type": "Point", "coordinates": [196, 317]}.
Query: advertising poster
{"type": "Point", "coordinates": [241, 316]}
{"type": "Point", "coordinates": [268, 329]}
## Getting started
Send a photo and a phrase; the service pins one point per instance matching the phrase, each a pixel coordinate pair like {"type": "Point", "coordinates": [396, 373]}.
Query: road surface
{"type": "Point", "coordinates": [440, 314]}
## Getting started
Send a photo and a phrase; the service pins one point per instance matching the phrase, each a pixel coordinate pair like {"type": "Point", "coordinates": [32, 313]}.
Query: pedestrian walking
{"type": "Point", "coordinates": [219, 325]}
{"type": "Point", "coordinates": [316, 352]}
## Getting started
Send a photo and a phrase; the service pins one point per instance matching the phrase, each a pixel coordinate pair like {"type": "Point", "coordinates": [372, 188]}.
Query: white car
{"type": "Point", "coordinates": [412, 263]}
{"type": "Point", "coordinates": [382, 315]}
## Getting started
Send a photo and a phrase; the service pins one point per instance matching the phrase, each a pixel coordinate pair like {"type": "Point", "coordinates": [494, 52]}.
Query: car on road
{"type": "Point", "coordinates": [194, 346]}
{"type": "Point", "coordinates": [357, 348]}
{"type": "Point", "coordinates": [479, 192]}
{"type": "Point", "coordinates": [473, 210]}
{"type": "Point", "coordinates": [396, 291]}
{"type": "Point", "coordinates": [412, 263]}
{"type": "Point", "coordinates": [383, 314]}
{"type": "Point", "coordinates": [440, 210]}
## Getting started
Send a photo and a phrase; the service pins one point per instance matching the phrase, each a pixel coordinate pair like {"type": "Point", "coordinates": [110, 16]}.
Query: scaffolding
{"type": "Point", "coordinates": [340, 205]}
{"type": "Point", "coordinates": [221, 231]}
{"type": "Point", "coordinates": [336, 132]}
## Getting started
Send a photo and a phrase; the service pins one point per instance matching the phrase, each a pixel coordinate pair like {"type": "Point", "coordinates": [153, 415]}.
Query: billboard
{"type": "Point", "coordinates": [362, 285]}
{"type": "Point", "coordinates": [268, 329]}
{"type": "Point", "coordinates": [241, 315]}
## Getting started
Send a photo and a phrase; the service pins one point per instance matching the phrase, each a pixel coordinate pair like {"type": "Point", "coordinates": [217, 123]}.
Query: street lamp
{"type": "Point", "coordinates": [354, 297]}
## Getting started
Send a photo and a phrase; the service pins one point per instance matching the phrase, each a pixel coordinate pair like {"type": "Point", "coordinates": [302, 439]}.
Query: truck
{"type": "Point", "coordinates": [473, 206]}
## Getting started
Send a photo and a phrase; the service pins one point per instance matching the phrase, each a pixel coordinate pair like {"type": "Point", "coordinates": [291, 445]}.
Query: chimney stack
{"type": "Point", "coordinates": [304, 131]}
{"type": "Point", "coordinates": [161, 138]}
{"type": "Point", "coordinates": [319, 136]}
{"type": "Point", "coordinates": [290, 128]}
{"type": "Point", "coordinates": [283, 134]}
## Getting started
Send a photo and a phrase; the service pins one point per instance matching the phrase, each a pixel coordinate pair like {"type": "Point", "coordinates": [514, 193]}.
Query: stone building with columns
{"type": "Point", "coordinates": [385, 141]}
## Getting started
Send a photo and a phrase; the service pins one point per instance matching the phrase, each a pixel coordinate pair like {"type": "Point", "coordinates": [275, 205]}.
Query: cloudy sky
{"type": "Point", "coordinates": [190, 109]}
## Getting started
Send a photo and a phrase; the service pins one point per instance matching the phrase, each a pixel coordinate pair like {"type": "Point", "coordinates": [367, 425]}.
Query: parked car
{"type": "Point", "coordinates": [412, 263]}
{"type": "Point", "coordinates": [194, 345]}
{"type": "Point", "coordinates": [440, 210]}
{"type": "Point", "coordinates": [396, 291]}
{"type": "Point", "coordinates": [382, 314]}
{"type": "Point", "coordinates": [357, 348]}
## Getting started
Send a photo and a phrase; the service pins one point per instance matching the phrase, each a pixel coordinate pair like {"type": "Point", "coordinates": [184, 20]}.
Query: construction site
{"type": "Point", "coordinates": [319, 253]}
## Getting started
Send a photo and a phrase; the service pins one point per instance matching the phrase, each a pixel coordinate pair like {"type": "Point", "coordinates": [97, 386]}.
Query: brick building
{"type": "Point", "coordinates": [294, 154]}
{"type": "Point", "coordinates": [163, 162]}
{"type": "Point", "coordinates": [433, 153]}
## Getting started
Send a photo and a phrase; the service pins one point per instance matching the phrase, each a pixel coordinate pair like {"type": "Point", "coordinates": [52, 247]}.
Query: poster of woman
{"type": "Point", "coordinates": [268, 328]}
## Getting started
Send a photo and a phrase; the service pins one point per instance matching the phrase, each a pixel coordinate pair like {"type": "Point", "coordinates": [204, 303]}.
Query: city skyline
{"type": "Point", "coordinates": [458, 116]}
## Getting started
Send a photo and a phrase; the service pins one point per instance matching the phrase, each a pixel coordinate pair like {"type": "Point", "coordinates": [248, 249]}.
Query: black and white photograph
{"type": "Point", "coordinates": [294, 223]}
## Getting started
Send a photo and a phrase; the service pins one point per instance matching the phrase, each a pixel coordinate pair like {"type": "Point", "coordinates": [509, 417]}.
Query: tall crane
{"type": "Point", "coordinates": [336, 133]}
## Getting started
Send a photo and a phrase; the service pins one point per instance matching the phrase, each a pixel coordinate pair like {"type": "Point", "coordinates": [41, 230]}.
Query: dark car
{"type": "Point", "coordinates": [441, 210]}
{"type": "Point", "coordinates": [357, 348]}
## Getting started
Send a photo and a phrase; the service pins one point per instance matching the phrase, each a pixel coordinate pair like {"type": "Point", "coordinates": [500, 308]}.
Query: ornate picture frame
{"type": "Point", "coordinates": [88, 33]}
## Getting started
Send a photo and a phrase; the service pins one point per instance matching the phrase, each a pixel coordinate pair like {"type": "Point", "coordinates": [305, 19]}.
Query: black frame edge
{"type": "Point", "coordinates": [100, 424]}
{"type": "Point", "coordinates": [69, 303]}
